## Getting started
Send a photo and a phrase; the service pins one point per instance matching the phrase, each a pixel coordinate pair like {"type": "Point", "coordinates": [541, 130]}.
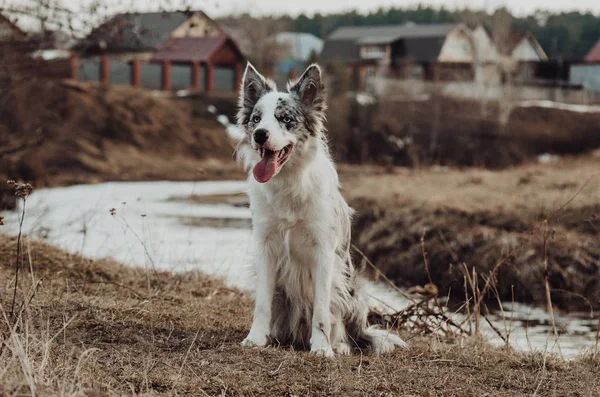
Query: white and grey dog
{"type": "Point", "coordinates": [307, 291]}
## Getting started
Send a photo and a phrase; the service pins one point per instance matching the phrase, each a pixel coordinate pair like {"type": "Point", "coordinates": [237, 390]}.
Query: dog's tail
{"type": "Point", "coordinates": [381, 341]}
{"type": "Point", "coordinates": [372, 338]}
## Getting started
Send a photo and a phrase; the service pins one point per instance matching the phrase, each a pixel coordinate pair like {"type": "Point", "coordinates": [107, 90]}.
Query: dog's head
{"type": "Point", "coordinates": [277, 126]}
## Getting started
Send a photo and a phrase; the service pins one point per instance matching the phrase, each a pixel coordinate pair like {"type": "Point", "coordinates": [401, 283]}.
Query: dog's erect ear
{"type": "Point", "coordinates": [310, 88]}
{"type": "Point", "coordinates": [254, 86]}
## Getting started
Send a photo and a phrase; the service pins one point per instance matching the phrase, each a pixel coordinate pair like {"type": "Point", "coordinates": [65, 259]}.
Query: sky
{"type": "Point", "coordinates": [216, 8]}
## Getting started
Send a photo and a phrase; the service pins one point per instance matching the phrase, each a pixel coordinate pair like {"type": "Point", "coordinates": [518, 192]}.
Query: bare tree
{"type": "Point", "coordinates": [255, 37]}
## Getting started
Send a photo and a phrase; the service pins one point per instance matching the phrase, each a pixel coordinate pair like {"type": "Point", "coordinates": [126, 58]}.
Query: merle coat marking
{"type": "Point", "coordinates": [307, 292]}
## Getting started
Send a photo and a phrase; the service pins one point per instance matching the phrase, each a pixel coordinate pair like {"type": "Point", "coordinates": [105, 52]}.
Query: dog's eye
{"type": "Point", "coordinates": [256, 119]}
{"type": "Point", "coordinates": [287, 119]}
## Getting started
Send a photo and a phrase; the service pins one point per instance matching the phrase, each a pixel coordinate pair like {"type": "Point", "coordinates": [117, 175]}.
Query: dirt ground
{"type": "Point", "coordinates": [487, 220]}
{"type": "Point", "coordinates": [102, 328]}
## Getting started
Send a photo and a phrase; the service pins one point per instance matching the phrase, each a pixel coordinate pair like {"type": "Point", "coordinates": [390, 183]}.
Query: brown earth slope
{"type": "Point", "coordinates": [100, 328]}
{"type": "Point", "coordinates": [486, 220]}
{"type": "Point", "coordinates": [82, 133]}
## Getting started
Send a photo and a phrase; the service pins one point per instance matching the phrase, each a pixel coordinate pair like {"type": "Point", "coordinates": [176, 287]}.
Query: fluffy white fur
{"type": "Point", "coordinates": [307, 290]}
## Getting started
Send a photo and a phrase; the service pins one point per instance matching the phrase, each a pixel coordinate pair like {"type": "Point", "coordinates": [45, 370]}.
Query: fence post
{"type": "Point", "coordinates": [74, 66]}
{"type": "Point", "coordinates": [209, 77]}
{"type": "Point", "coordinates": [196, 76]}
{"type": "Point", "coordinates": [135, 73]}
{"type": "Point", "coordinates": [166, 76]}
{"type": "Point", "coordinates": [104, 71]}
{"type": "Point", "coordinates": [237, 78]}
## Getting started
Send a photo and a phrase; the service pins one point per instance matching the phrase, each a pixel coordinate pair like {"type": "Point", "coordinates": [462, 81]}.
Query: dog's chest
{"type": "Point", "coordinates": [293, 224]}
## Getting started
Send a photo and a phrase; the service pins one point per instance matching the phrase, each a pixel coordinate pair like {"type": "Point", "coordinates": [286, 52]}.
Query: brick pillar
{"type": "Point", "coordinates": [136, 79]}
{"type": "Point", "coordinates": [196, 76]}
{"type": "Point", "coordinates": [237, 77]}
{"type": "Point", "coordinates": [210, 71]}
{"type": "Point", "coordinates": [166, 76]}
{"type": "Point", "coordinates": [74, 62]}
{"type": "Point", "coordinates": [104, 71]}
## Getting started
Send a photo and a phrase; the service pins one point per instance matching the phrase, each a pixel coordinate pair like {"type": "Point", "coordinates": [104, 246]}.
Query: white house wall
{"type": "Point", "coordinates": [457, 47]}
{"type": "Point", "coordinates": [197, 26]}
{"type": "Point", "coordinates": [485, 49]}
{"type": "Point", "coordinates": [586, 75]}
{"type": "Point", "coordinates": [524, 51]}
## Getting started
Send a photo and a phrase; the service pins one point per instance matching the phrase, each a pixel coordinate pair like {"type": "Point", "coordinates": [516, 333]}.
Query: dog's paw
{"type": "Point", "coordinates": [255, 340]}
{"type": "Point", "coordinates": [320, 346]}
{"type": "Point", "coordinates": [343, 349]}
{"type": "Point", "coordinates": [325, 351]}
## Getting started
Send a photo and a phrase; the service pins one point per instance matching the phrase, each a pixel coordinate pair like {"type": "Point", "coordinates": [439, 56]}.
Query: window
{"type": "Point", "coordinates": [373, 51]}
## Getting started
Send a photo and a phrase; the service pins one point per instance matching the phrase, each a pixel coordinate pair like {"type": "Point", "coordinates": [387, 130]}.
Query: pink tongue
{"type": "Point", "coordinates": [267, 167]}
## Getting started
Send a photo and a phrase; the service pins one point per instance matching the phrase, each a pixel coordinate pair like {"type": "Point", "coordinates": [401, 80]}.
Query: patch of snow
{"type": "Point", "coordinates": [212, 109]}
{"type": "Point", "coordinates": [232, 130]}
{"type": "Point", "coordinates": [183, 93]}
{"type": "Point", "coordinates": [224, 120]}
{"type": "Point", "coordinates": [49, 55]}
{"type": "Point", "coordinates": [562, 106]}
{"type": "Point", "coordinates": [365, 99]}
{"type": "Point", "coordinates": [547, 158]}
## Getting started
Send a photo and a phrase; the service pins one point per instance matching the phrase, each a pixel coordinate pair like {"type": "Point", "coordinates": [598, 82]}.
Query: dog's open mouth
{"type": "Point", "coordinates": [270, 162]}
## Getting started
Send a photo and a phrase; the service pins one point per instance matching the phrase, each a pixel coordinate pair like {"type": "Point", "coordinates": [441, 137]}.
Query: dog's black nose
{"type": "Point", "coordinates": [260, 136]}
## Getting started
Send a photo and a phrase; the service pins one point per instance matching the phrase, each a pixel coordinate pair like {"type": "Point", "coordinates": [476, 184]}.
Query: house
{"type": "Point", "coordinates": [297, 49]}
{"type": "Point", "coordinates": [486, 56]}
{"type": "Point", "coordinates": [9, 32]}
{"type": "Point", "coordinates": [523, 59]}
{"type": "Point", "coordinates": [168, 50]}
{"type": "Point", "coordinates": [523, 47]}
{"type": "Point", "coordinates": [587, 74]}
{"type": "Point", "coordinates": [594, 55]}
{"type": "Point", "coordinates": [428, 52]}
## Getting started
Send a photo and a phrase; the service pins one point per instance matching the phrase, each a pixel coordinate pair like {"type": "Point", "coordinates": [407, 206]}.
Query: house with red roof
{"type": "Point", "coordinates": [587, 74]}
{"type": "Point", "coordinates": [162, 50]}
{"type": "Point", "coordinates": [594, 55]}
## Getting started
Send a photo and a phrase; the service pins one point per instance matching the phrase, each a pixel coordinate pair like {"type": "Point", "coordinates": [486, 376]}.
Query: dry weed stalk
{"type": "Point", "coordinates": [547, 284]}
{"type": "Point", "coordinates": [426, 316]}
{"type": "Point", "coordinates": [22, 191]}
{"type": "Point", "coordinates": [596, 352]}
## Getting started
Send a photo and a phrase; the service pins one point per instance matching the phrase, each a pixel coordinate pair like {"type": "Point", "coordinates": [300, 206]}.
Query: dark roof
{"type": "Point", "coordinates": [426, 49]}
{"type": "Point", "coordinates": [138, 31]}
{"type": "Point", "coordinates": [594, 54]}
{"type": "Point", "coordinates": [10, 31]}
{"type": "Point", "coordinates": [343, 50]}
{"type": "Point", "coordinates": [189, 49]}
{"type": "Point", "coordinates": [515, 37]}
{"type": "Point", "coordinates": [388, 33]}
{"type": "Point", "coordinates": [421, 42]}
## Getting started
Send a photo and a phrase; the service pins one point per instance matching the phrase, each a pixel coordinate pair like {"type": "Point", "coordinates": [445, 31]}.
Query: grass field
{"type": "Point", "coordinates": [103, 328]}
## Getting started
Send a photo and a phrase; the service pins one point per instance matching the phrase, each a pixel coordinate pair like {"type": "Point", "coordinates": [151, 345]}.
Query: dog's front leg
{"type": "Point", "coordinates": [321, 320]}
{"type": "Point", "coordinates": [265, 287]}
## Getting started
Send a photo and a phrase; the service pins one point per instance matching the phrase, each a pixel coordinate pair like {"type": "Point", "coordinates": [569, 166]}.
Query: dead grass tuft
{"type": "Point", "coordinates": [493, 225]}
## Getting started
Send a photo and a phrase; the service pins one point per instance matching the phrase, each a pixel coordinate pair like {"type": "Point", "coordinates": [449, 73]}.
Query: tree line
{"type": "Point", "coordinates": [565, 35]}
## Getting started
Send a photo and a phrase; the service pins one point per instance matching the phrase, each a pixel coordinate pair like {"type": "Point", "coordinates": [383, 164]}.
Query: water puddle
{"type": "Point", "coordinates": [205, 226]}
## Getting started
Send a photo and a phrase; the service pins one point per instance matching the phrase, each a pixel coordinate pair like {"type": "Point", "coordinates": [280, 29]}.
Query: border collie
{"type": "Point", "coordinates": [307, 290]}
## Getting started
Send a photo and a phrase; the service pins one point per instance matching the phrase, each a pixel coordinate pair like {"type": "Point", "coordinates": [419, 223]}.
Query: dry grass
{"type": "Point", "coordinates": [99, 328]}
{"type": "Point", "coordinates": [486, 220]}
{"type": "Point", "coordinates": [85, 134]}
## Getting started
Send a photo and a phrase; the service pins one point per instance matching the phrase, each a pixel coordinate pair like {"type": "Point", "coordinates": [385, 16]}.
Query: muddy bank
{"type": "Point", "coordinates": [488, 221]}
{"type": "Point", "coordinates": [441, 130]}
{"type": "Point", "coordinates": [69, 133]}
